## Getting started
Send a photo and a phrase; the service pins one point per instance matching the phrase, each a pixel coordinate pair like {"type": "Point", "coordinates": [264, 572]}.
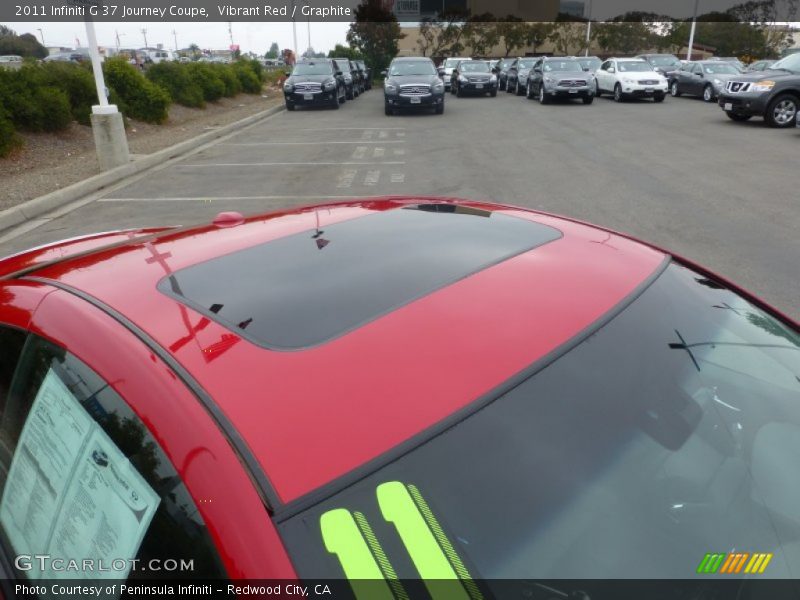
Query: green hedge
{"type": "Point", "coordinates": [31, 105]}
{"type": "Point", "coordinates": [178, 81]}
{"type": "Point", "coordinates": [138, 97]}
{"type": "Point", "coordinates": [8, 135]}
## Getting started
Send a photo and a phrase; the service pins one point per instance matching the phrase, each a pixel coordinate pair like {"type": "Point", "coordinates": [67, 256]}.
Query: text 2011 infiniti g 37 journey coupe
{"type": "Point", "coordinates": [400, 391]}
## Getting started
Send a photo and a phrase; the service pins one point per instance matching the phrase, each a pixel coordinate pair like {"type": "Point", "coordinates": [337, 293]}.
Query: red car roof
{"type": "Point", "coordinates": [313, 414]}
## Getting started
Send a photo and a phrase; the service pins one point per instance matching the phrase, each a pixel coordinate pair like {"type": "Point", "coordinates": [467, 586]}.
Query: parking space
{"type": "Point", "coordinates": [679, 174]}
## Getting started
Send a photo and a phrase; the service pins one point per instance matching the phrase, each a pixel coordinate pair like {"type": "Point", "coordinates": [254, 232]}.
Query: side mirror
{"type": "Point", "coordinates": [384, 72]}
{"type": "Point", "coordinates": [338, 73]}
{"type": "Point", "coordinates": [441, 72]}
{"type": "Point", "coordinates": [612, 70]}
{"type": "Point", "coordinates": [586, 68]}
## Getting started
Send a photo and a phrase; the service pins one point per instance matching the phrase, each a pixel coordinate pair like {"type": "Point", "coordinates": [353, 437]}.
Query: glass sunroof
{"type": "Point", "coordinates": [306, 289]}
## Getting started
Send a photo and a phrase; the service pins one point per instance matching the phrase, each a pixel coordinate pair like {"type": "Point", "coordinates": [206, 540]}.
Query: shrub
{"type": "Point", "coordinates": [250, 80]}
{"type": "Point", "coordinates": [139, 97]}
{"type": "Point", "coordinates": [230, 79]}
{"type": "Point", "coordinates": [178, 81]}
{"type": "Point", "coordinates": [54, 113]}
{"type": "Point", "coordinates": [77, 81]}
{"type": "Point", "coordinates": [273, 76]}
{"type": "Point", "coordinates": [8, 136]}
{"type": "Point", "coordinates": [205, 76]}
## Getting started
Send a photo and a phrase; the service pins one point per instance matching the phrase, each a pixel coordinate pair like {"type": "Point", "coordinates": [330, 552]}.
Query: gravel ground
{"type": "Point", "coordinates": [48, 162]}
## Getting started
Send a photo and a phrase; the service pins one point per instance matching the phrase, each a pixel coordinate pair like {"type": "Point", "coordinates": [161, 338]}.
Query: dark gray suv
{"type": "Point", "coordinates": [413, 82]}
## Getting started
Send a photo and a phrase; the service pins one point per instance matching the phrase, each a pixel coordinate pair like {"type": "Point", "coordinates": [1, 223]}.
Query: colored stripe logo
{"type": "Point", "coordinates": [734, 563]}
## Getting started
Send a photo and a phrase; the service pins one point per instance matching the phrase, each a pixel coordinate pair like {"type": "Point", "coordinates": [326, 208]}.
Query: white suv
{"type": "Point", "coordinates": [449, 64]}
{"type": "Point", "coordinates": [630, 78]}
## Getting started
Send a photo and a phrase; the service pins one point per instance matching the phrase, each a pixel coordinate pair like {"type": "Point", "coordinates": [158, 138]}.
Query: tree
{"type": "Point", "coordinates": [195, 50]}
{"type": "Point", "coordinates": [626, 37]}
{"type": "Point", "coordinates": [537, 34]}
{"type": "Point", "coordinates": [375, 33]}
{"type": "Point", "coordinates": [481, 34]}
{"type": "Point", "coordinates": [273, 52]}
{"type": "Point", "coordinates": [25, 45]}
{"type": "Point", "coordinates": [341, 51]}
{"type": "Point", "coordinates": [568, 37]}
{"type": "Point", "coordinates": [513, 33]}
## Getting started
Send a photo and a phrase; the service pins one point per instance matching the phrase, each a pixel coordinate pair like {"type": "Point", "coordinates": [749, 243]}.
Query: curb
{"type": "Point", "coordinates": [17, 215]}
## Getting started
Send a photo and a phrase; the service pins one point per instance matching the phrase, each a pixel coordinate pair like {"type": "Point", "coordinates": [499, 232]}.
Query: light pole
{"type": "Point", "coordinates": [588, 27]}
{"type": "Point", "coordinates": [42, 36]}
{"type": "Point", "coordinates": [294, 31]}
{"type": "Point", "coordinates": [691, 33]}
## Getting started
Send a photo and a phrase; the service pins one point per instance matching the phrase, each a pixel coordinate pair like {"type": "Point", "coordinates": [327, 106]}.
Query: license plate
{"type": "Point", "coordinates": [728, 106]}
{"type": "Point", "coordinates": [308, 96]}
{"type": "Point", "coordinates": [478, 86]}
{"type": "Point", "coordinates": [416, 100]}
{"type": "Point", "coordinates": [648, 90]}
{"type": "Point", "coordinates": [573, 91]}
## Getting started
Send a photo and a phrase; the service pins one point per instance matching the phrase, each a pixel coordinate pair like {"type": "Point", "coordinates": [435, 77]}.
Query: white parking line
{"type": "Point", "coordinates": [350, 128]}
{"type": "Point", "coordinates": [378, 152]}
{"type": "Point", "coordinates": [346, 178]}
{"type": "Point", "coordinates": [372, 178]}
{"type": "Point", "coordinates": [290, 164]}
{"type": "Point", "coordinates": [398, 177]}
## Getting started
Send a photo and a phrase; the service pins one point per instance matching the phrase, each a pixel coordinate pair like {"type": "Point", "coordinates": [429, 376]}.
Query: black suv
{"type": "Point", "coordinates": [350, 74]}
{"type": "Point", "coordinates": [773, 94]}
{"type": "Point", "coordinates": [559, 78]}
{"type": "Point", "coordinates": [314, 82]}
{"type": "Point", "coordinates": [413, 82]}
{"type": "Point", "coordinates": [473, 77]}
{"type": "Point", "coordinates": [366, 73]}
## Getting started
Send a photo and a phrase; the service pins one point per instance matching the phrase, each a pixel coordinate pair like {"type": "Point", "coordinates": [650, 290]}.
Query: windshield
{"type": "Point", "coordinates": [790, 63]}
{"type": "Point", "coordinates": [592, 63]}
{"type": "Point", "coordinates": [506, 62]}
{"type": "Point", "coordinates": [312, 69]}
{"type": "Point", "coordinates": [452, 62]}
{"type": "Point", "coordinates": [634, 66]}
{"type": "Point", "coordinates": [630, 456]}
{"type": "Point", "coordinates": [526, 64]}
{"type": "Point", "coordinates": [664, 61]}
{"type": "Point", "coordinates": [562, 65]}
{"type": "Point", "coordinates": [474, 66]}
{"type": "Point", "coordinates": [403, 68]}
{"type": "Point", "coordinates": [721, 69]}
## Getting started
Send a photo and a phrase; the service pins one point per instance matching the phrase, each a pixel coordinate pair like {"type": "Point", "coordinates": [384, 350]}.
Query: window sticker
{"type": "Point", "coordinates": [361, 556]}
{"type": "Point", "coordinates": [71, 493]}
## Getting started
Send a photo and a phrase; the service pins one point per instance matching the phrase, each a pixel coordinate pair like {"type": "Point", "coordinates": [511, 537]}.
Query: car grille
{"type": "Point", "coordinates": [308, 87]}
{"type": "Point", "coordinates": [415, 90]}
{"type": "Point", "coordinates": [478, 79]}
{"type": "Point", "coordinates": [572, 83]}
{"type": "Point", "coordinates": [737, 87]}
{"type": "Point", "coordinates": [648, 82]}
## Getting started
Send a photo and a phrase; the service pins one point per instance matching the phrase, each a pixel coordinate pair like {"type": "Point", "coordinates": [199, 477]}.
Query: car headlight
{"type": "Point", "coordinates": [438, 86]}
{"type": "Point", "coordinates": [762, 86]}
{"type": "Point", "coordinates": [628, 81]}
{"type": "Point", "coordinates": [462, 79]}
{"type": "Point", "coordinates": [717, 82]}
{"type": "Point", "coordinates": [493, 78]}
{"type": "Point", "coordinates": [330, 84]}
{"type": "Point", "coordinates": [288, 87]}
{"type": "Point", "coordinates": [389, 87]}
{"type": "Point", "coordinates": [549, 80]}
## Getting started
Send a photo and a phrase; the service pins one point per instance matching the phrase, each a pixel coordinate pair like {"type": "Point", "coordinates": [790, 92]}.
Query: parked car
{"type": "Point", "coordinates": [358, 77]}
{"type": "Point", "coordinates": [665, 64]}
{"type": "Point", "coordinates": [366, 73]}
{"type": "Point", "coordinates": [553, 78]}
{"type": "Point", "coordinates": [473, 77]}
{"type": "Point", "coordinates": [448, 65]}
{"type": "Point", "coordinates": [67, 57]}
{"type": "Point", "coordinates": [534, 385]}
{"type": "Point", "coordinates": [773, 94]}
{"type": "Point", "coordinates": [630, 78]}
{"type": "Point", "coordinates": [316, 82]}
{"type": "Point", "coordinates": [705, 78]}
{"type": "Point", "coordinates": [740, 66]}
{"type": "Point", "coordinates": [589, 63]}
{"type": "Point", "coordinates": [517, 75]}
{"type": "Point", "coordinates": [10, 58]}
{"type": "Point", "coordinates": [413, 82]}
{"type": "Point", "coordinates": [350, 75]}
{"type": "Point", "coordinates": [502, 72]}
{"type": "Point", "coordinates": [759, 65]}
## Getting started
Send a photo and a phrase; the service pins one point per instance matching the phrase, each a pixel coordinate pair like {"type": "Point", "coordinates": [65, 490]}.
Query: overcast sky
{"type": "Point", "coordinates": [255, 37]}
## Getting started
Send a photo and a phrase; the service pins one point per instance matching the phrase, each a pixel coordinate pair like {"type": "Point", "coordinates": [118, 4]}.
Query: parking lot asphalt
{"type": "Point", "coordinates": [678, 174]}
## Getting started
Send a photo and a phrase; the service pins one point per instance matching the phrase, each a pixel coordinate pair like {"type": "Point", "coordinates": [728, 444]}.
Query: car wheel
{"type": "Point", "coordinates": [782, 111]}
{"type": "Point", "coordinates": [289, 106]}
{"type": "Point", "coordinates": [387, 110]}
{"type": "Point", "coordinates": [588, 99]}
{"type": "Point", "coordinates": [737, 117]}
{"type": "Point", "coordinates": [708, 93]}
{"type": "Point", "coordinates": [517, 90]}
{"type": "Point", "coordinates": [658, 98]}
{"type": "Point", "coordinates": [528, 91]}
{"type": "Point", "coordinates": [508, 87]}
{"type": "Point", "coordinates": [335, 104]}
{"type": "Point", "coordinates": [673, 89]}
{"type": "Point", "coordinates": [543, 98]}
{"type": "Point", "coordinates": [440, 109]}
{"type": "Point", "coordinates": [597, 91]}
{"type": "Point", "coordinates": [349, 94]}
{"type": "Point", "coordinates": [459, 93]}
{"type": "Point", "coordinates": [618, 96]}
